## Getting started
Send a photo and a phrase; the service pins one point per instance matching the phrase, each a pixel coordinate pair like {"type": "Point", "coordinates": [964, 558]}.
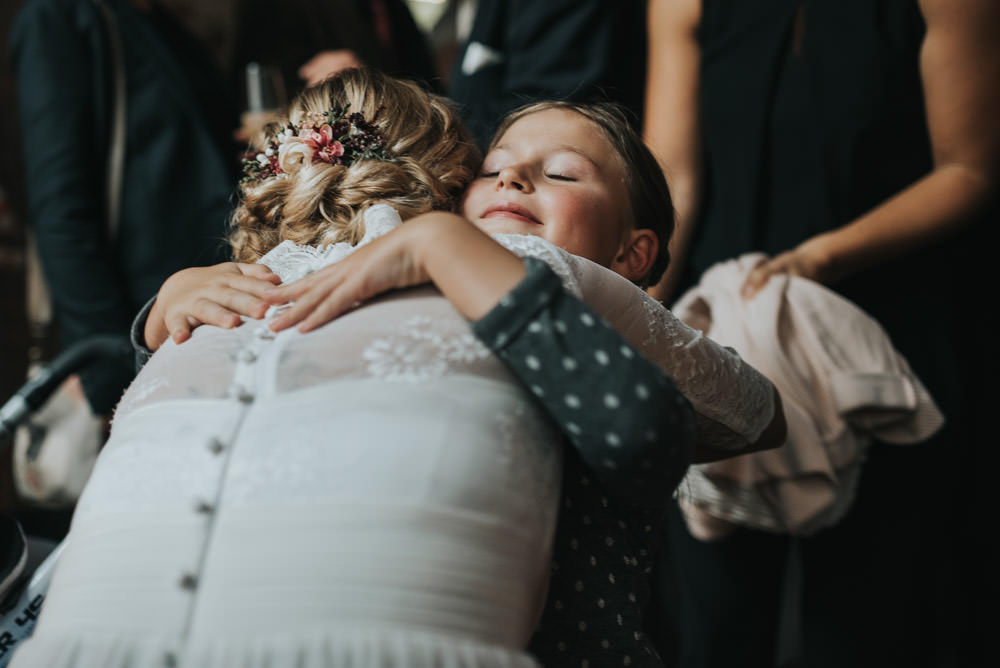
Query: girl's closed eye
{"type": "Point", "coordinates": [568, 165]}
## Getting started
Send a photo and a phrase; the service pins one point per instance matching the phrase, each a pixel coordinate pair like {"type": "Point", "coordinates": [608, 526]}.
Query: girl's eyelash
{"type": "Point", "coordinates": [557, 177]}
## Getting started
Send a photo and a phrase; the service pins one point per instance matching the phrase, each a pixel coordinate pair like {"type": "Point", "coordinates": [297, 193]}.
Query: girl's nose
{"type": "Point", "coordinates": [513, 177]}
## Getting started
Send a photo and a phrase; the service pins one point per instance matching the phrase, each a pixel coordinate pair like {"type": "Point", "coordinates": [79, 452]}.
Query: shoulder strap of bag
{"type": "Point", "coordinates": [116, 154]}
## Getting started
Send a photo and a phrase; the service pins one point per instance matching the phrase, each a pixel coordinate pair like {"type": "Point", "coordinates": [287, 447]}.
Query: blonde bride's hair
{"type": "Point", "coordinates": [431, 161]}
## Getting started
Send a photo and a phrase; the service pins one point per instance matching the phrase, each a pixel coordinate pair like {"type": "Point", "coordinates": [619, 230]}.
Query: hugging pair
{"type": "Point", "coordinates": [370, 469]}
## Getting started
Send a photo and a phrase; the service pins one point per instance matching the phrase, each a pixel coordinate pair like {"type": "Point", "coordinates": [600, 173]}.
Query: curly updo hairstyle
{"type": "Point", "coordinates": [432, 157]}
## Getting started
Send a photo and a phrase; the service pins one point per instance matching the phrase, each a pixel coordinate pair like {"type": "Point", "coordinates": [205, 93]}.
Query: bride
{"type": "Point", "coordinates": [381, 491]}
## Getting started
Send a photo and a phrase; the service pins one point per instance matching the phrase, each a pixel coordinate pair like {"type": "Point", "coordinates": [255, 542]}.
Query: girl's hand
{"type": "Point", "coordinates": [472, 271]}
{"type": "Point", "coordinates": [216, 295]}
{"type": "Point", "coordinates": [387, 263]}
{"type": "Point", "coordinates": [809, 260]}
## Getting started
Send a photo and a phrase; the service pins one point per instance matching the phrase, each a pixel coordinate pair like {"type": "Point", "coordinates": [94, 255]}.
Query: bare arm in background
{"type": "Point", "coordinates": [672, 129]}
{"type": "Point", "coordinates": [960, 70]}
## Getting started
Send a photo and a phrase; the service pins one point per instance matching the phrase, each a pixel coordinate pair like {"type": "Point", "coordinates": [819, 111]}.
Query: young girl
{"type": "Point", "coordinates": [379, 491]}
{"type": "Point", "coordinates": [578, 177]}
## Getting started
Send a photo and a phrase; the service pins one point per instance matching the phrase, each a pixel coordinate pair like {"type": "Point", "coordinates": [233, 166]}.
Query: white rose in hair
{"type": "Point", "coordinates": [293, 154]}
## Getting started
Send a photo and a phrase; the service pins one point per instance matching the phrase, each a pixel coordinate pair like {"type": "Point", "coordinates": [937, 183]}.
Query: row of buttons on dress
{"type": "Point", "coordinates": [241, 390]}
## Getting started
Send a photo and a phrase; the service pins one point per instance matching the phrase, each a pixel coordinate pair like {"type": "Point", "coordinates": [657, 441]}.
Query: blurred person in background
{"type": "Point", "coordinates": [857, 144]}
{"type": "Point", "coordinates": [308, 41]}
{"type": "Point", "coordinates": [521, 51]}
{"type": "Point", "coordinates": [177, 174]}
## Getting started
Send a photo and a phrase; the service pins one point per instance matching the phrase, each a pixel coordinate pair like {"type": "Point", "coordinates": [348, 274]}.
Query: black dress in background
{"type": "Point", "coordinates": [580, 50]}
{"type": "Point", "coordinates": [802, 136]}
{"type": "Point", "coordinates": [179, 172]}
{"type": "Point", "coordinates": [288, 34]}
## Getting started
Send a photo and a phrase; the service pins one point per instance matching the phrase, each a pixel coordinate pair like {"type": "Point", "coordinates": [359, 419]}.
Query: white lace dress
{"type": "Point", "coordinates": [379, 492]}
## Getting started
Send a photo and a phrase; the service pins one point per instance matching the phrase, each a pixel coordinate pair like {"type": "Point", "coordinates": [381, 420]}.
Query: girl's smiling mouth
{"type": "Point", "coordinates": [510, 210]}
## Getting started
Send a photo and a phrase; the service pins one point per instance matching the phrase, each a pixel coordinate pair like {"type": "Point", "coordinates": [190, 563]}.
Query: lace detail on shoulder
{"type": "Point", "coordinates": [524, 245]}
{"type": "Point", "coordinates": [292, 261]}
{"type": "Point", "coordinates": [379, 219]}
{"type": "Point", "coordinates": [419, 351]}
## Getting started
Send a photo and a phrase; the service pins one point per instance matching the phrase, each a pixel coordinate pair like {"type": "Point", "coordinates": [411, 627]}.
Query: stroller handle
{"type": "Point", "coordinates": [37, 391]}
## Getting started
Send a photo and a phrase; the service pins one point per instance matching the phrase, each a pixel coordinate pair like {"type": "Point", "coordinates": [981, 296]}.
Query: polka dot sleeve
{"type": "Point", "coordinates": [623, 415]}
{"type": "Point", "coordinates": [138, 337]}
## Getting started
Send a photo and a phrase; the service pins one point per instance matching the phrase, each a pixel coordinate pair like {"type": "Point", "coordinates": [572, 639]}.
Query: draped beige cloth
{"type": "Point", "coordinates": [842, 383]}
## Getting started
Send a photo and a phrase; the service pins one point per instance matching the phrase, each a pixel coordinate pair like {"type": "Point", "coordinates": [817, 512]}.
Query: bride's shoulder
{"type": "Point", "coordinates": [292, 261]}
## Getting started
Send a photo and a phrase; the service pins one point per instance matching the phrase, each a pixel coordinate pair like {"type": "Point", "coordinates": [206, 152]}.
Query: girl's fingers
{"type": "Point", "coordinates": [251, 284]}
{"type": "Point", "coordinates": [318, 298]}
{"type": "Point", "coordinates": [296, 290]}
{"type": "Point", "coordinates": [337, 302]}
{"type": "Point", "coordinates": [177, 327]}
{"type": "Point", "coordinates": [276, 296]}
{"type": "Point", "coordinates": [259, 271]}
{"type": "Point", "coordinates": [287, 293]}
{"type": "Point", "coordinates": [323, 301]}
{"type": "Point", "coordinates": [325, 311]}
{"type": "Point", "coordinates": [242, 302]}
{"type": "Point", "coordinates": [209, 312]}
{"type": "Point", "coordinates": [180, 335]}
{"type": "Point", "coordinates": [304, 302]}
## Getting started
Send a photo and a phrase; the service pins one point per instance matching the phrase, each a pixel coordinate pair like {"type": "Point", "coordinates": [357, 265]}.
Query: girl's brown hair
{"type": "Point", "coordinates": [432, 160]}
{"type": "Point", "coordinates": [650, 204]}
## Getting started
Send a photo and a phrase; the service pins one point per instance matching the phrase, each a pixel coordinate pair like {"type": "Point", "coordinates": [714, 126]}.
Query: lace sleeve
{"type": "Point", "coordinates": [558, 260]}
{"type": "Point", "coordinates": [733, 402]}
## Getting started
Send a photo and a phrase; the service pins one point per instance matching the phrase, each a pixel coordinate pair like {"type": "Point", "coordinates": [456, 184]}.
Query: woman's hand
{"type": "Point", "coordinates": [809, 260]}
{"type": "Point", "coordinates": [216, 295]}
{"type": "Point", "coordinates": [470, 269]}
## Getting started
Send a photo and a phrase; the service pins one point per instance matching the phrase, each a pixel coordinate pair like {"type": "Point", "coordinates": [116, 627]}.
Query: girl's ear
{"type": "Point", "coordinates": [637, 254]}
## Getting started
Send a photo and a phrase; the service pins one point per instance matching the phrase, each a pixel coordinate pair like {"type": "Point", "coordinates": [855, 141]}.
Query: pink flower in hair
{"type": "Point", "coordinates": [316, 139]}
{"type": "Point", "coordinates": [342, 140]}
{"type": "Point", "coordinates": [327, 131]}
{"type": "Point", "coordinates": [330, 153]}
{"type": "Point", "coordinates": [326, 148]}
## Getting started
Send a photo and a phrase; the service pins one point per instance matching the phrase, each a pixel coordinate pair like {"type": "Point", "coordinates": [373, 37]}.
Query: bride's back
{"type": "Point", "coordinates": [379, 491]}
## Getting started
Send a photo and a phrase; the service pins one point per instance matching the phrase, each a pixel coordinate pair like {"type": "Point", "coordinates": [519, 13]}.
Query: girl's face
{"type": "Point", "coordinates": [554, 175]}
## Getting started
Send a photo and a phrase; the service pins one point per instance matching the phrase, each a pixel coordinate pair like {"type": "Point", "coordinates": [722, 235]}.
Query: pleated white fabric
{"type": "Point", "coordinates": [397, 529]}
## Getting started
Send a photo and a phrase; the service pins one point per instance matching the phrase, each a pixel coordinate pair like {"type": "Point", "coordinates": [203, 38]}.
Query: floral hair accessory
{"type": "Point", "coordinates": [334, 137]}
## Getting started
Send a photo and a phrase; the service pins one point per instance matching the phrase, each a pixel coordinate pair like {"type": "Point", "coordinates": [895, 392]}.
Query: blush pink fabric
{"type": "Point", "coordinates": [842, 384]}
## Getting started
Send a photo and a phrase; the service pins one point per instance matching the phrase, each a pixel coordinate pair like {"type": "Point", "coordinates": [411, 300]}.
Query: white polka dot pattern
{"type": "Point", "coordinates": [593, 383]}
